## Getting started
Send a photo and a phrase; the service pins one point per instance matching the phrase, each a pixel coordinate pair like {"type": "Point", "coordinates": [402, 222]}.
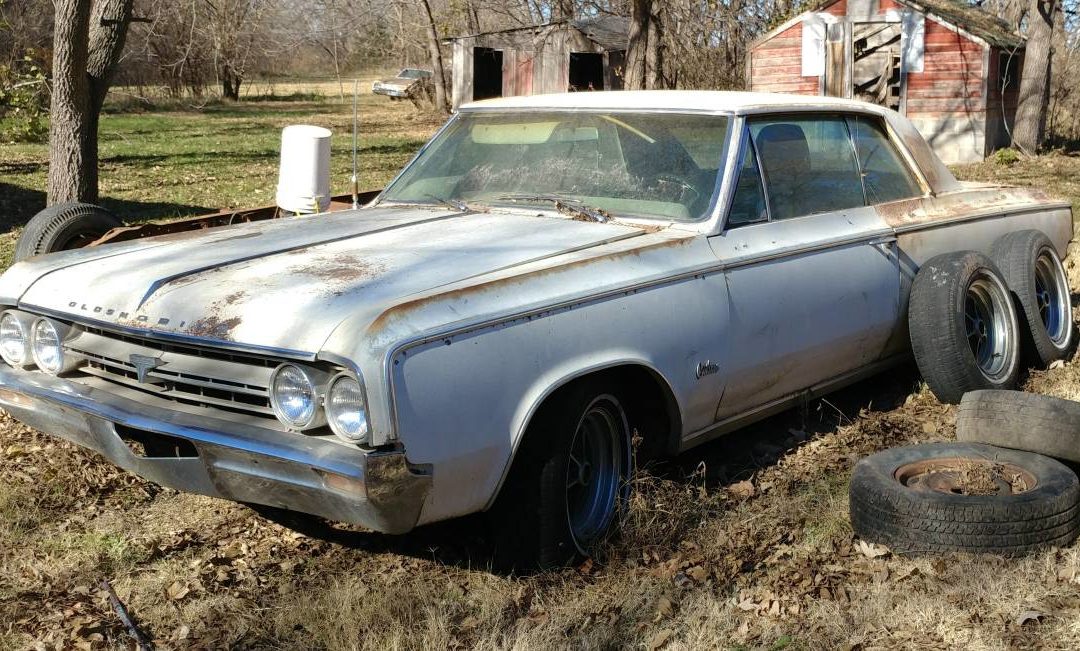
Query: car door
{"type": "Point", "coordinates": [812, 272]}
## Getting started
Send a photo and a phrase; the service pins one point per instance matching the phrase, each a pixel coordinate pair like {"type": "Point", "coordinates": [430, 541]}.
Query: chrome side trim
{"type": "Point", "coordinates": [458, 329]}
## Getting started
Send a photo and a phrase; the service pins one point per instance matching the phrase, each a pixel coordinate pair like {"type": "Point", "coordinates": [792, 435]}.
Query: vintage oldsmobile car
{"type": "Point", "coordinates": [554, 289]}
{"type": "Point", "coordinates": [405, 83]}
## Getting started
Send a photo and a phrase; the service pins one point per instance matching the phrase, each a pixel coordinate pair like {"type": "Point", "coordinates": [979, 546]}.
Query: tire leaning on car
{"type": "Point", "coordinates": [964, 330]}
{"type": "Point", "coordinates": [569, 484]}
{"type": "Point", "coordinates": [940, 497]}
{"type": "Point", "coordinates": [64, 226]}
{"type": "Point", "coordinates": [1034, 274]}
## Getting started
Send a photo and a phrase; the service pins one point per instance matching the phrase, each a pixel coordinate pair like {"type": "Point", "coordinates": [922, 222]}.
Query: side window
{"type": "Point", "coordinates": [884, 173]}
{"type": "Point", "coordinates": [808, 164]}
{"type": "Point", "coordinates": [748, 202]}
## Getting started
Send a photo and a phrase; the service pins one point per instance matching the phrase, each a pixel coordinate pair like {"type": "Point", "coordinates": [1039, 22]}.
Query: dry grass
{"type": "Point", "coordinates": [744, 543]}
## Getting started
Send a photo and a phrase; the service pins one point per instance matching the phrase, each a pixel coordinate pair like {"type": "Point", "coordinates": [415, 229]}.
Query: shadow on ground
{"type": "Point", "coordinates": [462, 542]}
{"type": "Point", "coordinates": [19, 204]}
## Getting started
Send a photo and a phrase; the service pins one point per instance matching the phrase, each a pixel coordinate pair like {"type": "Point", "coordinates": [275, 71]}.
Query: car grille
{"type": "Point", "coordinates": [185, 374]}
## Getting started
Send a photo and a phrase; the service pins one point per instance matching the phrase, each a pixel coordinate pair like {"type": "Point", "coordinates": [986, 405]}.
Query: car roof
{"type": "Point", "coordinates": [674, 100]}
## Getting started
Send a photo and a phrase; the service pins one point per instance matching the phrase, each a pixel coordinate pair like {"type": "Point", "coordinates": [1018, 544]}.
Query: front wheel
{"type": "Point", "coordinates": [570, 482]}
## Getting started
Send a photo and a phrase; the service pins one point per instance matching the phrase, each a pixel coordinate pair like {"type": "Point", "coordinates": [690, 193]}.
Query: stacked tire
{"type": "Point", "coordinates": [975, 320]}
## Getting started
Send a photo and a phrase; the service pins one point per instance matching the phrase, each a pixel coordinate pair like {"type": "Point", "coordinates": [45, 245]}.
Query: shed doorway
{"type": "Point", "coordinates": [586, 71]}
{"type": "Point", "coordinates": [862, 61]}
{"type": "Point", "coordinates": [875, 74]}
{"type": "Point", "coordinates": [487, 73]}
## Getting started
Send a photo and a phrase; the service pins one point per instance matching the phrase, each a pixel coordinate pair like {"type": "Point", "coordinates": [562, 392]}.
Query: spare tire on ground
{"type": "Point", "coordinates": [939, 497]}
{"type": "Point", "coordinates": [964, 330]}
{"type": "Point", "coordinates": [64, 226]}
{"type": "Point", "coordinates": [1021, 421]}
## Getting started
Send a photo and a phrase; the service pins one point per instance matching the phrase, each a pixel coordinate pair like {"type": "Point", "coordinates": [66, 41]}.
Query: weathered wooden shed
{"type": "Point", "coordinates": [555, 57]}
{"type": "Point", "coordinates": [951, 68]}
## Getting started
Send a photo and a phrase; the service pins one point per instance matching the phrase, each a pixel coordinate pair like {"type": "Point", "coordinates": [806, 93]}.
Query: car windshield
{"type": "Point", "coordinates": [652, 165]}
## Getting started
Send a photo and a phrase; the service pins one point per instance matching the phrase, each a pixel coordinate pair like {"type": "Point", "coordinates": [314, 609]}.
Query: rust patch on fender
{"type": "Point", "coordinates": [402, 310]}
{"type": "Point", "coordinates": [968, 202]}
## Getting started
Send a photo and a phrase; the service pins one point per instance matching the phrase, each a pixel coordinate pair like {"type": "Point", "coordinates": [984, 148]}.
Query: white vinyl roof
{"type": "Point", "coordinates": [671, 100]}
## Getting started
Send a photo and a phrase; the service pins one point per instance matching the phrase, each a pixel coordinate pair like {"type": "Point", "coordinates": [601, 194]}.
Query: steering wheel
{"type": "Point", "coordinates": [684, 184]}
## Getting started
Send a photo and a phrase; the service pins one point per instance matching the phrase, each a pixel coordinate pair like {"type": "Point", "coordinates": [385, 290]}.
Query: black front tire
{"type": "Point", "coordinates": [64, 226]}
{"type": "Point", "coordinates": [540, 519]}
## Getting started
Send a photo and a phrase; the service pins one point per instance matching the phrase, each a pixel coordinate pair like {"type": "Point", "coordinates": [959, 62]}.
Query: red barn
{"type": "Point", "coordinates": [951, 68]}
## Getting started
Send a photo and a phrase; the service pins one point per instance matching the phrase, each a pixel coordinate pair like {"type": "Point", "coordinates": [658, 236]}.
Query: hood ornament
{"type": "Point", "coordinates": [144, 364]}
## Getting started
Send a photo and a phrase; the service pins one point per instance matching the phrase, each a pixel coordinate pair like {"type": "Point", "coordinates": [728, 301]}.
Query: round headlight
{"type": "Point", "coordinates": [14, 343]}
{"type": "Point", "coordinates": [47, 347]}
{"type": "Point", "coordinates": [294, 397]}
{"type": "Point", "coordinates": [346, 409]}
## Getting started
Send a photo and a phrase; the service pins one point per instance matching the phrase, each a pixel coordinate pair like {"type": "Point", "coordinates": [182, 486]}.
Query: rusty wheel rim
{"type": "Point", "coordinates": [966, 476]}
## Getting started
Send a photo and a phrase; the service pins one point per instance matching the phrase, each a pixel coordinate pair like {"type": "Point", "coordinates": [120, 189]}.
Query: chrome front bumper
{"type": "Point", "coordinates": [244, 463]}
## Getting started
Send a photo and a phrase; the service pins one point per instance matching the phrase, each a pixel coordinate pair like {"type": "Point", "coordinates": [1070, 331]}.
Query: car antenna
{"type": "Point", "coordinates": [355, 178]}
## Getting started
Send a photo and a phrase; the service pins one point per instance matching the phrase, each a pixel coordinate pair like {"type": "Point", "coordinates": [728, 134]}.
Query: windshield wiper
{"type": "Point", "coordinates": [453, 204]}
{"type": "Point", "coordinates": [570, 207]}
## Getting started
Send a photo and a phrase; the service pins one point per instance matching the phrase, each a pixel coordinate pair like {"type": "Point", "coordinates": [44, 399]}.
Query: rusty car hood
{"type": "Point", "coordinates": [288, 283]}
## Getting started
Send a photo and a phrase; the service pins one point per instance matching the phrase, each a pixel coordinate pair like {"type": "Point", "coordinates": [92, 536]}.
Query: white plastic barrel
{"type": "Point", "coordinates": [304, 175]}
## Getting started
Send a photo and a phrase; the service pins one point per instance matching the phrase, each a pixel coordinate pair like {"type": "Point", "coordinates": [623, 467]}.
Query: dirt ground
{"type": "Point", "coordinates": [744, 543]}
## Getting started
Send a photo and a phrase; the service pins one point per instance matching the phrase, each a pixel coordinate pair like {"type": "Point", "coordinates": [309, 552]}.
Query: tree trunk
{"type": "Point", "coordinates": [86, 49]}
{"type": "Point", "coordinates": [1034, 96]}
{"type": "Point", "coordinates": [230, 84]}
{"type": "Point", "coordinates": [654, 62]}
{"type": "Point", "coordinates": [69, 121]}
{"type": "Point", "coordinates": [638, 47]}
{"type": "Point", "coordinates": [435, 51]}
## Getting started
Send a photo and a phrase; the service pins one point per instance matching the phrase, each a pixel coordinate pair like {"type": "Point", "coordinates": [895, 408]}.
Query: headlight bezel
{"type": "Point", "coordinates": [25, 324]}
{"type": "Point", "coordinates": [316, 380]}
{"type": "Point", "coordinates": [62, 332]}
{"type": "Point", "coordinates": [365, 416]}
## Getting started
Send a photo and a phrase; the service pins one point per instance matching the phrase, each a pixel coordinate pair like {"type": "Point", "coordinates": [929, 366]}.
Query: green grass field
{"type": "Point", "coordinates": [177, 161]}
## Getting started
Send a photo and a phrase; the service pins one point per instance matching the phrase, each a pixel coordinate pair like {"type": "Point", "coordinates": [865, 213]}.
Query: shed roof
{"type": "Point", "coordinates": [609, 32]}
{"type": "Point", "coordinates": [970, 18]}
